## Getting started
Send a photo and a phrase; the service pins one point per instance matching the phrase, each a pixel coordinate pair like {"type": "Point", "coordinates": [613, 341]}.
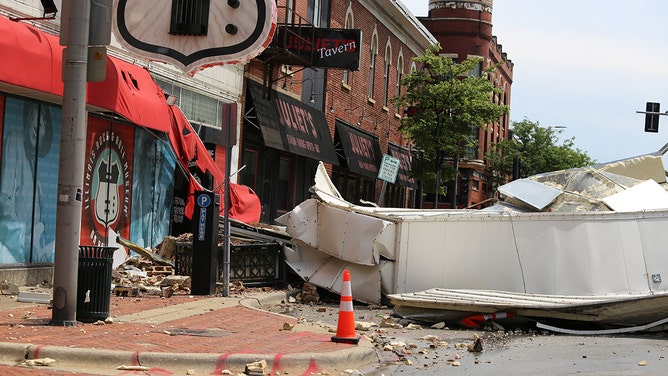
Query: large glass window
{"type": "Point", "coordinates": [29, 181]}
{"type": "Point", "coordinates": [152, 190]}
{"type": "Point", "coordinates": [353, 187]}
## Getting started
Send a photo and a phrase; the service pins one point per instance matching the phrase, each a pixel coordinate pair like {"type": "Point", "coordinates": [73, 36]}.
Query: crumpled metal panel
{"type": "Point", "coordinates": [532, 193]}
{"type": "Point", "coordinates": [644, 196]}
{"type": "Point", "coordinates": [326, 271]}
{"type": "Point", "coordinates": [350, 236]}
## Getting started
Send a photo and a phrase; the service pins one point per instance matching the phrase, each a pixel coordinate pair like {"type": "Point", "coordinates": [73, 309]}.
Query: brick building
{"type": "Point", "coordinates": [348, 103]}
{"type": "Point", "coordinates": [464, 29]}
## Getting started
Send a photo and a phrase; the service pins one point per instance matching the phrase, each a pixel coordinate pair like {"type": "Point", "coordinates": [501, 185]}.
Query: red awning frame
{"type": "Point", "coordinates": [33, 60]}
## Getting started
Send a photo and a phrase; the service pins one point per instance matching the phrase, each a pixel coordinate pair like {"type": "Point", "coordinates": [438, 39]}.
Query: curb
{"type": "Point", "coordinates": [108, 361]}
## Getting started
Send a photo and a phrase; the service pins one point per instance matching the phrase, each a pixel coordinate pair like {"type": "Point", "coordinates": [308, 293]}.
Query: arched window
{"type": "Point", "coordinates": [386, 73]}
{"type": "Point", "coordinates": [372, 62]}
{"type": "Point", "coordinates": [345, 75]}
{"type": "Point", "coordinates": [400, 72]}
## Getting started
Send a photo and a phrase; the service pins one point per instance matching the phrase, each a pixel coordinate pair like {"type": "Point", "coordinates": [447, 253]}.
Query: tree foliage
{"type": "Point", "coordinates": [537, 149]}
{"type": "Point", "coordinates": [450, 105]}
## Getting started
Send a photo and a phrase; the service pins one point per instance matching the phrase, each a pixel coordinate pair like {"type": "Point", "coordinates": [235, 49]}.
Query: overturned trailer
{"type": "Point", "coordinates": [571, 240]}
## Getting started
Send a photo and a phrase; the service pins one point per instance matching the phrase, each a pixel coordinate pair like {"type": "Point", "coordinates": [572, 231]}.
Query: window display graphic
{"type": "Point", "coordinates": [28, 181]}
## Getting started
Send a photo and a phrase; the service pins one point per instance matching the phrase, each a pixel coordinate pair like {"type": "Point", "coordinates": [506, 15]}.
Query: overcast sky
{"type": "Point", "coordinates": [588, 65]}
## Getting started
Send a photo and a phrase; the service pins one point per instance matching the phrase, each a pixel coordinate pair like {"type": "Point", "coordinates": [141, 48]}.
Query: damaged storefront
{"type": "Point", "coordinates": [141, 155]}
{"type": "Point", "coordinates": [283, 141]}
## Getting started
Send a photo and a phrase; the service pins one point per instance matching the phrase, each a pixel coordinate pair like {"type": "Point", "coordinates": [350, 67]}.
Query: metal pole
{"type": "Point", "coordinates": [74, 23]}
{"type": "Point", "coordinates": [226, 217]}
{"type": "Point", "coordinates": [454, 190]}
{"type": "Point", "coordinates": [382, 193]}
{"type": "Point", "coordinates": [438, 179]}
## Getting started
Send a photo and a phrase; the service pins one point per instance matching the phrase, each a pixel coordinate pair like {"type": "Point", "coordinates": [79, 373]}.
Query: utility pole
{"type": "Point", "coordinates": [74, 36]}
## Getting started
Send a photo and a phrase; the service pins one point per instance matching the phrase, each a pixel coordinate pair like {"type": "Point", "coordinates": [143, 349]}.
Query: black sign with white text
{"type": "Point", "coordinates": [289, 125]}
{"type": "Point", "coordinates": [325, 48]}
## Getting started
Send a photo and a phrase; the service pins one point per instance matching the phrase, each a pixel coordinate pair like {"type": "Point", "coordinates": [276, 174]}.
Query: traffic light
{"type": "Point", "coordinates": [652, 119]}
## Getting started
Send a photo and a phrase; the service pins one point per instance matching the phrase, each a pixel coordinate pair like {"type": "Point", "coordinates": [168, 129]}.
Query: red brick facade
{"type": "Point", "coordinates": [464, 29]}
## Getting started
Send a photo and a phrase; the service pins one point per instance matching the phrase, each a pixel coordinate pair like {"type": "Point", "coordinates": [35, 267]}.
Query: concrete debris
{"type": "Point", "coordinates": [477, 344]}
{"type": "Point", "coordinates": [8, 288]}
{"type": "Point", "coordinates": [439, 325]}
{"type": "Point", "coordinates": [33, 297]}
{"type": "Point", "coordinates": [388, 322]}
{"type": "Point", "coordinates": [258, 368]}
{"type": "Point", "coordinates": [40, 362]}
{"type": "Point", "coordinates": [364, 325]}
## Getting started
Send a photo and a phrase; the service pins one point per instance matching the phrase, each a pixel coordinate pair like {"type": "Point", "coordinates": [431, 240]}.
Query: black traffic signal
{"type": "Point", "coordinates": [652, 120]}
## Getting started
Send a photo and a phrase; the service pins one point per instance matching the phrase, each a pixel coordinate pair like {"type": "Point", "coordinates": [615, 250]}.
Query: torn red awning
{"type": "Point", "coordinates": [244, 203]}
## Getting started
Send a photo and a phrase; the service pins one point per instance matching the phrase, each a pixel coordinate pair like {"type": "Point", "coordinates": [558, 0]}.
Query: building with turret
{"type": "Point", "coordinates": [464, 30]}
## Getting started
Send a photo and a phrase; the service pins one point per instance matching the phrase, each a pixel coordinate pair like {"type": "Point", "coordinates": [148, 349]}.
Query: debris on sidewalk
{"type": "Point", "coordinates": [40, 362]}
{"type": "Point", "coordinates": [258, 368]}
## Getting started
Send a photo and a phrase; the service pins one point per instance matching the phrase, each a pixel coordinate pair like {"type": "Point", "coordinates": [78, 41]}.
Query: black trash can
{"type": "Point", "coordinates": [94, 283]}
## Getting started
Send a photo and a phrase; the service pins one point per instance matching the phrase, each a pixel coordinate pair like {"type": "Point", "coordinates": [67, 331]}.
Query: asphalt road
{"type": "Point", "coordinates": [409, 350]}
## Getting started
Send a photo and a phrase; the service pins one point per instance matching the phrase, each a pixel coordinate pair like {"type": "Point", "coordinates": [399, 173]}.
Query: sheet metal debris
{"type": "Point", "coordinates": [589, 232]}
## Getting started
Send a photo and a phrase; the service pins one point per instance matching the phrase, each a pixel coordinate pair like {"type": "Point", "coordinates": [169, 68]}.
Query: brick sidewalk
{"type": "Point", "coordinates": [234, 329]}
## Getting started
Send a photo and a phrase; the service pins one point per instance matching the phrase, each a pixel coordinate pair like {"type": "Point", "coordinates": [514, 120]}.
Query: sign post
{"type": "Point", "coordinates": [389, 168]}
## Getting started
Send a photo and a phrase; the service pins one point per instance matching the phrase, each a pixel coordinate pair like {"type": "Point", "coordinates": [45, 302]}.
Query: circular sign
{"type": "Point", "coordinates": [203, 200]}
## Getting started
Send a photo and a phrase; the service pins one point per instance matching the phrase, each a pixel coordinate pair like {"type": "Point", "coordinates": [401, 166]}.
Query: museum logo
{"type": "Point", "coordinates": [106, 186]}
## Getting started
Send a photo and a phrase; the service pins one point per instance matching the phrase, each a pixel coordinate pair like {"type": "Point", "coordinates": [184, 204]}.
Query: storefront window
{"type": "Point", "coordinates": [248, 175]}
{"type": "Point", "coordinates": [353, 187]}
{"type": "Point", "coordinates": [285, 196]}
{"type": "Point", "coordinates": [152, 190]}
{"type": "Point", "coordinates": [28, 181]}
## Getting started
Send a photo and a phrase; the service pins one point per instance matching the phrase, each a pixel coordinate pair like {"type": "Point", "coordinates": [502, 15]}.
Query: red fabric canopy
{"type": "Point", "coordinates": [244, 203]}
{"type": "Point", "coordinates": [130, 91]}
{"type": "Point", "coordinates": [33, 59]}
{"type": "Point", "coordinates": [30, 57]}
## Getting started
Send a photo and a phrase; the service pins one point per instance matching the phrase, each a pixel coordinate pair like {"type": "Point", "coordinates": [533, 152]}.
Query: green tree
{"type": "Point", "coordinates": [449, 104]}
{"type": "Point", "coordinates": [536, 149]}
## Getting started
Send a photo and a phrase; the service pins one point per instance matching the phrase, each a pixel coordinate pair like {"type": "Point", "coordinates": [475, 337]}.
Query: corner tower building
{"type": "Point", "coordinates": [464, 30]}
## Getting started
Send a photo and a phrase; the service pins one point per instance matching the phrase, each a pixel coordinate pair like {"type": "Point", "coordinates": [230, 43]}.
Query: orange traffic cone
{"type": "Point", "coordinates": [345, 329]}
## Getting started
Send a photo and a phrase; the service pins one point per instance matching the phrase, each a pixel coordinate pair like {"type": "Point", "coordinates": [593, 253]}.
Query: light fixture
{"type": "Point", "coordinates": [49, 7]}
{"type": "Point", "coordinates": [50, 11]}
{"type": "Point", "coordinates": [311, 98]}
